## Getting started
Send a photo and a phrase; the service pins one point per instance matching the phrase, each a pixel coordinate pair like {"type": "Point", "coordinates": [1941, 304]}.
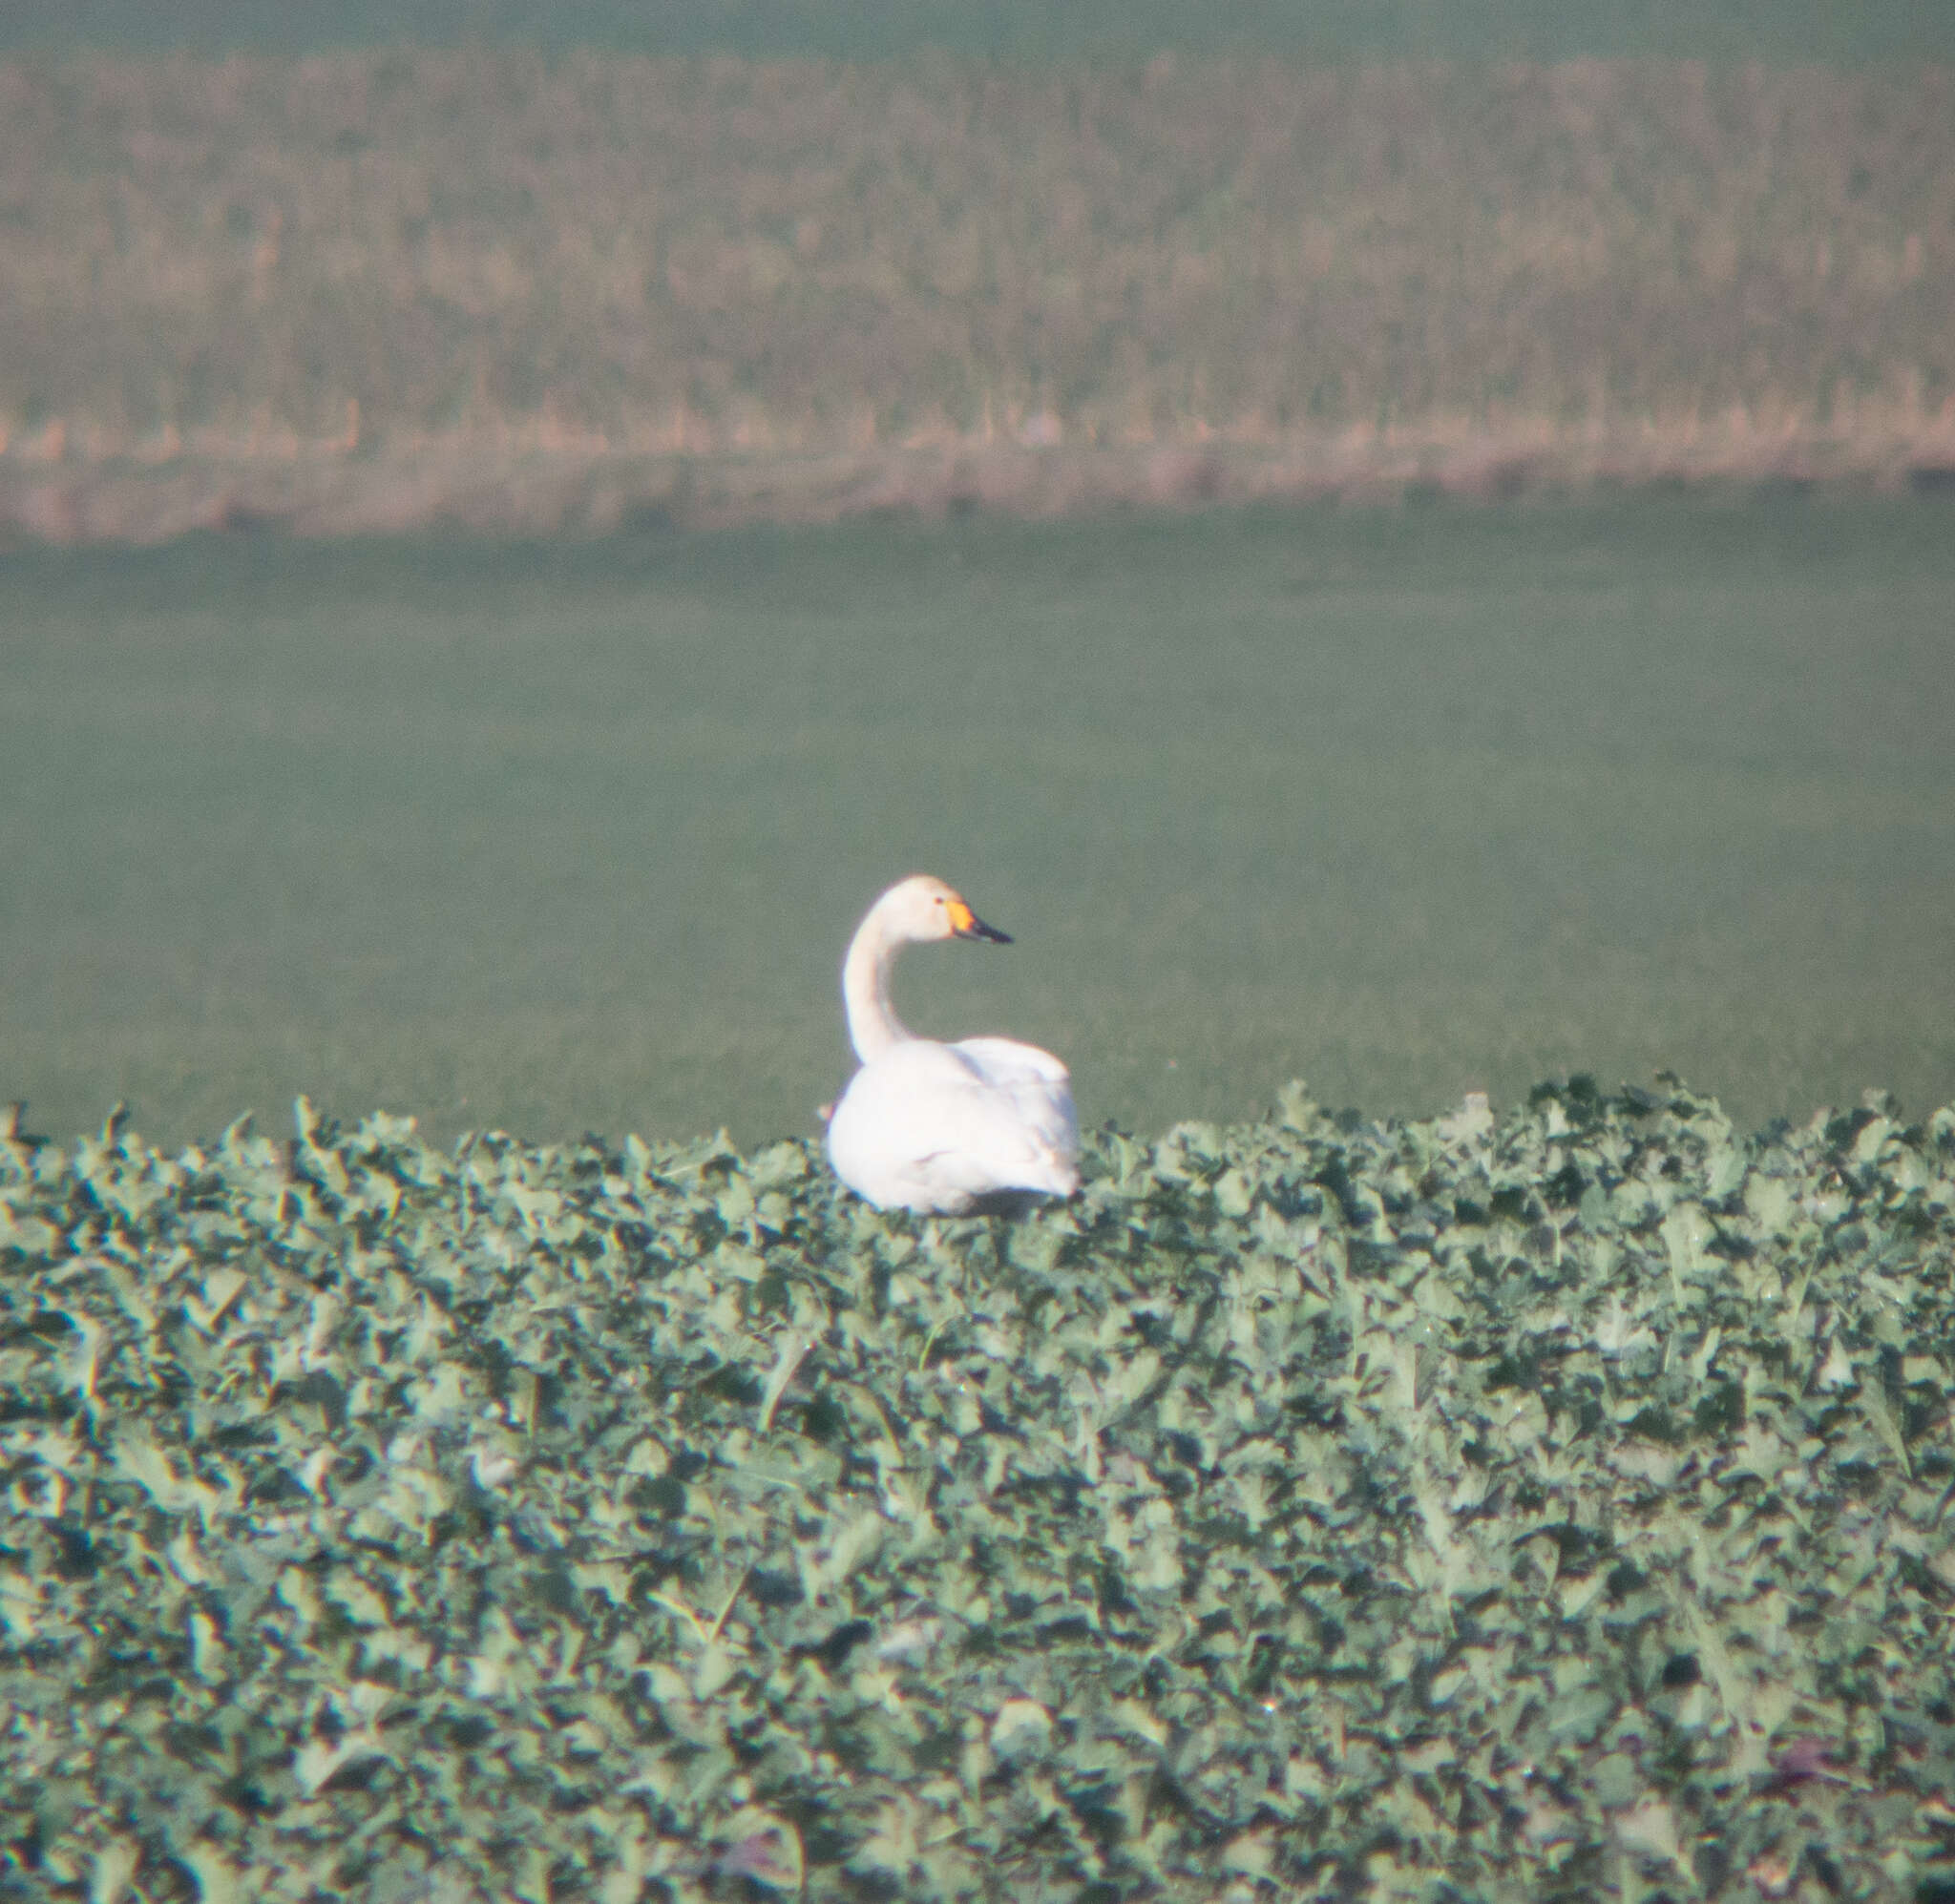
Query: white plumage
{"type": "Point", "coordinates": [930, 1126]}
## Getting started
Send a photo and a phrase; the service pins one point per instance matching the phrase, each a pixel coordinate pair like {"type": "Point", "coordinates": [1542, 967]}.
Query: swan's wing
{"type": "Point", "coordinates": [930, 1127]}
{"type": "Point", "coordinates": [1006, 1057]}
{"type": "Point", "coordinates": [1041, 1089]}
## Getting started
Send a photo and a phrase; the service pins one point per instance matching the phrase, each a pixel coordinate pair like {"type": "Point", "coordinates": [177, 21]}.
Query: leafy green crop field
{"type": "Point", "coordinates": [565, 839]}
{"type": "Point", "coordinates": [1549, 1507]}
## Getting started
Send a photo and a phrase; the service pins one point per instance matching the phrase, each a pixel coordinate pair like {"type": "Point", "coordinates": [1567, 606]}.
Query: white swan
{"type": "Point", "coordinates": [928, 1126]}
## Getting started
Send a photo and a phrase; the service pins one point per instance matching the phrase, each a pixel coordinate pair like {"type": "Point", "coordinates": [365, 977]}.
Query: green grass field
{"type": "Point", "coordinates": [572, 838]}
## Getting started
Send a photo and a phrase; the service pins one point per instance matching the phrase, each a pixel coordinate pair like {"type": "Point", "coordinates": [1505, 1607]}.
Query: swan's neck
{"type": "Point", "coordinates": [873, 1027]}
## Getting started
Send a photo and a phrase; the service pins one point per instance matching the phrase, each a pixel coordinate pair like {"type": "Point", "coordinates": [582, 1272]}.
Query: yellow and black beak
{"type": "Point", "coordinates": [967, 925]}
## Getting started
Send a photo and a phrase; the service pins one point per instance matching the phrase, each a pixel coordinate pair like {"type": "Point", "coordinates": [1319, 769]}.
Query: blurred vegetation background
{"type": "Point", "coordinates": [563, 836]}
{"type": "Point", "coordinates": [517, 269]}
{"type": "Point", "coordinates": [531, 258]}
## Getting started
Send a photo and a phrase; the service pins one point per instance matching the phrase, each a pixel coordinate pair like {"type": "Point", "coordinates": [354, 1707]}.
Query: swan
{"type": "Point", "coordinates": [942, 1127]}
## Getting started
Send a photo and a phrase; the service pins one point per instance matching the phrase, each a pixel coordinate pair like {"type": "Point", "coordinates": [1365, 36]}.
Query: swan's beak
{"type": "Point", "coordinates": [967, 925]}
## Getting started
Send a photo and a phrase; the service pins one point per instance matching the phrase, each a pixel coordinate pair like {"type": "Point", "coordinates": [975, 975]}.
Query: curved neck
{"type": "Point", "coordinates": [873, 1026]}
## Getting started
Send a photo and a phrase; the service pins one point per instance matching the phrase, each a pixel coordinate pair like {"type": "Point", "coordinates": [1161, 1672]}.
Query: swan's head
{"type": "Point", "coordinates": [923, 909]}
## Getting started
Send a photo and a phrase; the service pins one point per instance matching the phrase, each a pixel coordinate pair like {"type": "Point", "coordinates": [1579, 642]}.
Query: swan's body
{"type": "Point", "coordinates": [930, 1126]}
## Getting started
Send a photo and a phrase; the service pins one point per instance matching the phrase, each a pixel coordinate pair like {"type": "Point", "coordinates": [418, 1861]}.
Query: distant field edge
{"type": "Point", "coordinates": [461, 483]}
{"type": "Point", "coordinates": [1475, 1114]}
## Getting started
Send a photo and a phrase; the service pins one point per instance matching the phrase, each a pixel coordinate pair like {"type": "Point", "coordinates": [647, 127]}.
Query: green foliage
{"type": "Point", "coordinates": [1465, 1507]}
